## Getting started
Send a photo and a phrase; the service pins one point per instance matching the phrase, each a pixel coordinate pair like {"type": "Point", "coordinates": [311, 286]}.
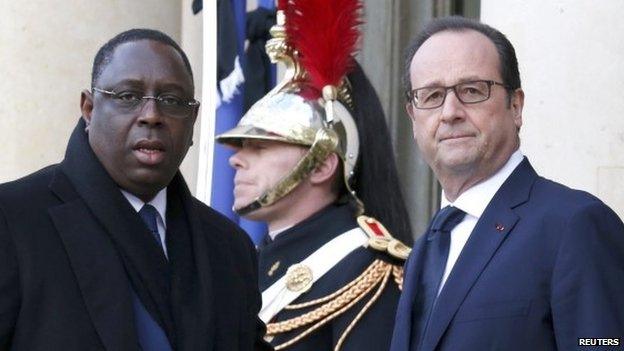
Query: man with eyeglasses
{"type": "Point", "coordinates": [512, 261]}
{"type": "Point", "coordinates": [108, 250]}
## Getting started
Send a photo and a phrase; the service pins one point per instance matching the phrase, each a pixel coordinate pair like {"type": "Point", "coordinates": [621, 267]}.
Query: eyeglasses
{"type": "Point", "coordinates": [472, 92]}
{"type": "Point", "coordinates": [168, 104]}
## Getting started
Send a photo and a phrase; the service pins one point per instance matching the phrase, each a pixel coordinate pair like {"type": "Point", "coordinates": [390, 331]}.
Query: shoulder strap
{"type": "Point", "coordinates": [300, 277]}
{"type": "Point", "coordinates": [380, 239]}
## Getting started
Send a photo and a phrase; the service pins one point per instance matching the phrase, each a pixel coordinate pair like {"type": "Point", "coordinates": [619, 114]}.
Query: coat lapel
{"type": "Point", "coordinates": [142, 258]}
{"type": "Point", "coordinates": [204, 278]}
{"type": "Point", "coordinates": [496, 223]}
{"type": "Point", "coordinates": [97, 267]}
{"type": "Point", "coordinates": [192, 290]}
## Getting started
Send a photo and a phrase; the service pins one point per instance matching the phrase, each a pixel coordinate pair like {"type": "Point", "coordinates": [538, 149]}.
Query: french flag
{"type": "Point", "coordinates": [241, 77]}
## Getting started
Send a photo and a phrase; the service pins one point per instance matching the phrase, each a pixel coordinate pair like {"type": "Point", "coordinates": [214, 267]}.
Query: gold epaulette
{"type": "Point", "coordinates": [380, 239]}
{"type": "Point", "coordinates": [369, 285]}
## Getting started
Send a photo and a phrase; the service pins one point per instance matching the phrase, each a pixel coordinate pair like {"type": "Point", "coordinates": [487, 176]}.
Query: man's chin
{"type": "Point", "coordinates": [456, 162]}
{"type": "Point", "coordinates": [152, 181]}
{"type": "Point", "coordinates": [145, 185]}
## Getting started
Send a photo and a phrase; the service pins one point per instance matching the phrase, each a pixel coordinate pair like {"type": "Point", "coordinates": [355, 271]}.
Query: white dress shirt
{"type": "Point", "coordinates": [160, 204]}
{"type": "Point", "coordinates": [474, 201]}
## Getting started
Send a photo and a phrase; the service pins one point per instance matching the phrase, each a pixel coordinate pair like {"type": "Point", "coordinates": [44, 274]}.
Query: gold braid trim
{"type": "Point", "coordinates": [389, 269]}
{"type": "Point", "coordinates": [330, 307]}
{"type": "Point", "coordinates": [397, 273]}
{"type": "Point", "coordinates": [325, 313]}
{"type": "Point", "coordinates": [377, 274]}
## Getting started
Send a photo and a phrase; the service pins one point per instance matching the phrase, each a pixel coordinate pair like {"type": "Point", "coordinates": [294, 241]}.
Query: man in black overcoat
{"type": "Point", "coordinates": [108, 250]}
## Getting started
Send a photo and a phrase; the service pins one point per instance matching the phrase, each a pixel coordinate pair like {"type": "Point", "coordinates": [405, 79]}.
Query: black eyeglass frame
{"type": "Point", "coordinates": [411, 95]}
{"type": "Point", "coordinates": [113, 94]}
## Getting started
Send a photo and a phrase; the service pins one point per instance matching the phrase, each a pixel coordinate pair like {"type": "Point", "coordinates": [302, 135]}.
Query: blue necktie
{"type": "Point", "coordinates": [151, 336]}
{"type": "Point", "coordinates": [149, 215]}
{"type": "Point", "coordinates": [437, 249]}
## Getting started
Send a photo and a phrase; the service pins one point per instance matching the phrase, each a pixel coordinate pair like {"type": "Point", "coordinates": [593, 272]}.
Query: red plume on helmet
{"type": "Point", "coordinates": [281, 5]}
{"type": "Point", "coordinates": [325, 34]}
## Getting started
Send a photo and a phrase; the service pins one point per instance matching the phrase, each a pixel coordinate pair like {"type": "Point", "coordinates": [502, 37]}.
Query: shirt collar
{"type": "Point", "coordinates": [474, 200]}
{"type": "Point", "coordinates": [159, 202]}
{"type": "Point", "coordinates": [274, 233]}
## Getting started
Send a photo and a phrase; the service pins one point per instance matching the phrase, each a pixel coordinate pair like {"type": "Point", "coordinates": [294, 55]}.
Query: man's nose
{"type": "Point", "coordinates": [149, 112]}
{"type": "Point", "coordinates": [236, 160]}
{"type": "Point", "coordinates": [452, 109]}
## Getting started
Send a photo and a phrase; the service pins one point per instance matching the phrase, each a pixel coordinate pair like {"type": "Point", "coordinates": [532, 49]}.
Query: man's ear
{"type": "Point", "coordinates": [196, 112]}
{"type": "Point", "coordinates": [517, 104]}
{"type": "Point", "coordinates": [86, 106]}
{"type": "Point", "coordinates": [410, 110]}
{"type": "Point", "coordinates": [193, 120]}
{"type": "Point", "coordinates": [325, 171]}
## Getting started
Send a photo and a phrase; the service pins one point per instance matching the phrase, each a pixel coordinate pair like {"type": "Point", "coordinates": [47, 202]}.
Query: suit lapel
{"type": "Point", "coordinates": [97, 267]}
{"type": "Point", "coordinates": [496, 223]}
{"type": "Point", "coordinates": [403, 321]}
{"type": "Point", "coordinates": [481, 246]}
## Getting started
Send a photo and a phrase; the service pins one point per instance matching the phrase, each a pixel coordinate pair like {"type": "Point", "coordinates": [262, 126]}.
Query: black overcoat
{"type": "Point", "coordinates": [71, 248]}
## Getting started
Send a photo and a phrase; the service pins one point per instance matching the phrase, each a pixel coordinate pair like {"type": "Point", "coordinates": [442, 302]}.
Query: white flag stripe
{"type": "Point", "coordinates": [209, 102]}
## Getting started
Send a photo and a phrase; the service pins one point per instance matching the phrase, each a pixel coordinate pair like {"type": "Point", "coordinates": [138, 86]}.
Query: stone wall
{"type": "Point", "coordinates": [570, 54]}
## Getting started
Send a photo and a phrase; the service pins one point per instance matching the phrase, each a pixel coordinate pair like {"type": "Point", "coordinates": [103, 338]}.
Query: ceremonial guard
{"type": "Point", "coordinates": [314, 160]}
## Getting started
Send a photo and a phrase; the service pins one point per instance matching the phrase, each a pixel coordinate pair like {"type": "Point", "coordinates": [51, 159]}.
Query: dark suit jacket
{"type": "Point", "coordinates": [543, 267]}
{"type": "Point", "coordinates": [71, 248]}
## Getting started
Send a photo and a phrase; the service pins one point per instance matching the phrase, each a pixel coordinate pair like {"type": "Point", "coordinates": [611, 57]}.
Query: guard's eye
{"type": "Point", "coordinates": [254, 144]}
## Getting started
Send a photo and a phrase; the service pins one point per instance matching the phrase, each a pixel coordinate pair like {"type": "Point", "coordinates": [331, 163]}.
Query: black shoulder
{"type": "Point", "coordinates": [29, 189]}
{"type": "Point", "coordinates": [221, 226]}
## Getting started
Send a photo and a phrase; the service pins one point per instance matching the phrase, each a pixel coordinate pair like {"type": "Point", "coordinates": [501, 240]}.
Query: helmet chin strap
{"type": "Point", "coordinates": [247, 209]}
{"type": "Point", "coordinates": [325, 142]}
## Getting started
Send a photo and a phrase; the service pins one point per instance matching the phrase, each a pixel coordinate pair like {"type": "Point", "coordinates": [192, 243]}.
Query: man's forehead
{"type": "Point", "coordinates": [451, 56]}
{"type": "Point", "coordinates": [137, 60]}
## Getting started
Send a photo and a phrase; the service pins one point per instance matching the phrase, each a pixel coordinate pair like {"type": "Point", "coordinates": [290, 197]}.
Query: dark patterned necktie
{"type": "Point", "coordinates": [436, 254]}
{"type": "Point", "coordinates": [150, 335]}
{"type": "Point", "coordinates": [149, 215]}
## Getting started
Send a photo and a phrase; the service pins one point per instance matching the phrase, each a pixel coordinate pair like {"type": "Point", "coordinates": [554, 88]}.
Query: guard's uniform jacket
{"type": "Point", "coordinates": [355, 314]}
